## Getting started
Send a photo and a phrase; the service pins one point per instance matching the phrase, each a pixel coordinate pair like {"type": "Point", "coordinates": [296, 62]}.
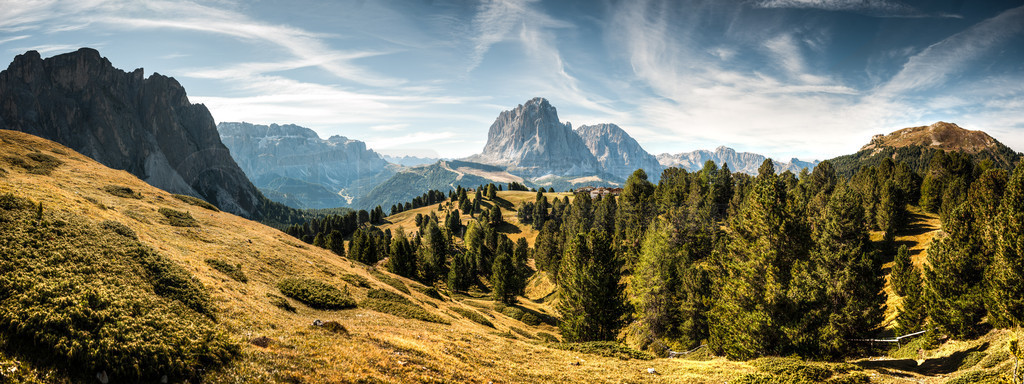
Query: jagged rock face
{"type": "Point", "coordinates": [267, 153]}
{"type": "Point", "coordinates": [943, 135]}
{"type": "Point", "coordinates": [145, 126]}
{"type": "Point", "coordinates": [532, 142]}
{"type": "Point", "coordinates": [745, 162]}
{"type": "Point", "coordinates": [618, 153]}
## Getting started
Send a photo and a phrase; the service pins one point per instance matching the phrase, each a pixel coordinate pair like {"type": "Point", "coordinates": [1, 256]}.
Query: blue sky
{"type": "Point", "coordinates": [786, 78]}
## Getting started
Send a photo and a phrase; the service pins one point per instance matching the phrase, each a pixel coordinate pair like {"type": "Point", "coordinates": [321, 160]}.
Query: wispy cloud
{"type": "Point", "coordinates": [876, 8]}
{"type": "Point", "coordinates": [935, 64]}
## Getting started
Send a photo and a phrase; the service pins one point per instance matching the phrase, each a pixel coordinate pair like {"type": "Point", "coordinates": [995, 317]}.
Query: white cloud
{"type": "Point", "coordinates": [876, 8]}
{"type": "Point", "coordinates": [935, 64]}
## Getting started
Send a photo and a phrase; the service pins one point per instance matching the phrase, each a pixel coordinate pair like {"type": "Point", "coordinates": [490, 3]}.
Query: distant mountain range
{"type": "Point", "coordinates": [293, 165]}
{"type": "Point", "coordinates": [148, 127]}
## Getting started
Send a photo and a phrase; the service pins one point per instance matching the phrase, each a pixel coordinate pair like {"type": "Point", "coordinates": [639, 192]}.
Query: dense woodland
{"type": "Point", "coordinates": [772, 264]}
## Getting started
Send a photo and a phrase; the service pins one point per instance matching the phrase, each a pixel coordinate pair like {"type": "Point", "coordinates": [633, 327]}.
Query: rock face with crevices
{"type": "Point", "coordinates": [744, 162]}
{"type": "Point", "coordinates": [618, 153]}
{"type": "Point", "coordinates": [294, 162]}
{"type": "Point", "coordinates": [532, 142]}
{"type": "Point", "coordinates": [145, 126]}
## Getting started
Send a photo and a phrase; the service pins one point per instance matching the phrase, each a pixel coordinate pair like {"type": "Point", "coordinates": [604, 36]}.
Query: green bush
{"type": "Point", "coordinates": [122, 191]}
{"type": "Point", "coordinates": [316, 294]}
{"type": "Point", "coordinates": [788, 370]}
{"type": "Point", "coordinates": [233, 271]}
{"type": "Point", "coordinates": [995, 358]}
{"type": "Point", "coordinates": [407, 311]}
{"type": "Point", "coordinates": [473, 315]}
{"type": "Point", "coordinates": [526, 316]}
{"type": "Point", "coordinates": [975, 377]}
{"type": "Point", "coordinates": [37, 163]}
{"type": "Point", "coordinates": [118, 228]}
{"type": "Point", "coordinates": [88, 299]}
{"type": "Point", "coordinates": [394, 282]}
{"type": "Point", "coordinates": [431, 292]}
{"type": "Point", "coordinates": [381, 294]}
{"type": "Point", "coordinates": [523, 333]}
{"type": "Point", "coordinates": [280, 302]}
{"type": "Point", "coordinates": [179, 218]}
{"type": "Point", "coordinates": [972, 359]}
{"type": "Point", "coordinates": [547, 337]}
{"type": "Point", "coordinates": [196, 202]}
{"type": "Point", "coordinates": [334, 327]}
{"type": "Point", "coordinates": [604, 348]}
{"type": "Point", "coordinates": [356, 280]}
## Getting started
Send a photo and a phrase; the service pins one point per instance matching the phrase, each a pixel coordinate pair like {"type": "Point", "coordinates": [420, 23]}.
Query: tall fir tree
{"type": "Point", "coordinates": [1006, 287]}
{"type": "Point", "coordinates": [403, 257]}
{"type": "Point", "coordinates": [592, 300]}
{"type": "Point", "coordinates": [504, 279]}
{"type": "Point", "coordinates": [636, 210]}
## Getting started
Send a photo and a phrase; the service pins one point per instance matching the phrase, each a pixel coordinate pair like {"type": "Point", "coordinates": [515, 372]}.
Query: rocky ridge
{"type": "Point", "coordinates": [145, 126]}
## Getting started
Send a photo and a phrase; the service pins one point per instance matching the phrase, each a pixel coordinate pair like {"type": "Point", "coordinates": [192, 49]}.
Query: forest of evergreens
{"type": "Point", "coordinates": [773, 264]}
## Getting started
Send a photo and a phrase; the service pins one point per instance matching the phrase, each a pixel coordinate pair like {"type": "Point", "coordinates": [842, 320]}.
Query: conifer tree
{"type": "Point", "coordinates": [460, 275]}
{"type": "Point", "coordinates": [336, 243]}
{"type": "Point", "coordinates": [591, 297]}
{"type": "Point", "coordinates": [520, 258]}
{"type": "Point", "coordinates": [548, 250]}
{"type": "Point", "coordinates": [953, 278]}
{"type": "Point", "coordinates": [495, 216]}
{"type": "Point", "coordinates": [503, 279]}
{"type": "Point", "coordinates": [1006, 287]}
{"type": "Point", "coordinates": [653, 290]}
{"type": "Point", "coordinates": [904, 273]}
{"type": "Point", "coordinates": [403, 257]}
{"type": "Point", "coordinates": [913, 308]}
{"type": "Point", "coordinates": [636, 209]}
{"type": "Point", "coordinates": [433, 255]}
{"type": "Point", "coordinates": [604, 214]}
{"type": "Point", "coordinates": [580, 217]}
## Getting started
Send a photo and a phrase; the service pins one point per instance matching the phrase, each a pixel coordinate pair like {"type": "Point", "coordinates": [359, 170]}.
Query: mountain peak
{"type": "Point", "coordinates": [941, 135]}
{"type": "Point", "coordinates": [533, 142]}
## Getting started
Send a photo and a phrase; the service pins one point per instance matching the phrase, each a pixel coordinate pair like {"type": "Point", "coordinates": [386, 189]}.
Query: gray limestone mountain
{"type": "Point", "coordinates": [745, 162]}
{"type": "Point", "coordinates": [293, 165]}
{"type": "Point", "coordinates": [618, 153]}
{"type": "Point", "coordinates": [531, 142]}
{"type": "Point", "coordinates": [146, 126]}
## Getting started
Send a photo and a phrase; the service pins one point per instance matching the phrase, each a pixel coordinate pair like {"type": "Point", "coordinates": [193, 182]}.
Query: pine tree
{"type": "Point", "coordinates": [1006, 292]}
{"type": "Point", "coordinates": [548, 250]}
{"type": "Point", "coordinates": [433, 255]}
{"type": "Point", "coordinates": [336, 243]}
{"type": "Point", "coordinates": [904, 273]}
{"type": "Point", "coordinates": [503, 279]}
{"type": "Point", "coordinates": [495, 216]}
{"type": "Point", "coordinates": [636, 209]}
{"type": "Point", "coordinates": [604, 214]}
{"type": "Point", "coordinates": [520, 258]}
{"type": "Point", "coordinates": [913, 308]}
{"type": "Point", "coordinates": [653, 290]}
{"type": "Point", "coordinates": [953, 278]}
{"type": "Point", "coordinates": [460, 275]}
{"type": "Point", "coordinates": [592, 302]}
{"type": "Point", "coordinates": [403, 257]}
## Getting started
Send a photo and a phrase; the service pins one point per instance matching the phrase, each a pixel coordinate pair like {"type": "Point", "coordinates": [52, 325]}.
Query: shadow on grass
{"type": "Point", "coordinates": [930, 367]}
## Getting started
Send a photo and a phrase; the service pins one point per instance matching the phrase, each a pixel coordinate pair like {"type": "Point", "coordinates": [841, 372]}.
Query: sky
{"type": "Point", "coordinates": [812, 79]}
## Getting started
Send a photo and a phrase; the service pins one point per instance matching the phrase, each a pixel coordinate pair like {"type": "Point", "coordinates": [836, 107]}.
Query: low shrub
{"type": "Point", "coordinates": [431, 292]}
{"type": "Point", "coordinates": [547, 337]}
{"type": "Point", "coordinates": [122, 191]}
{"type": "Point", "coordinates": [972, 359]}
{"type": "Point", "coordinates": [995, 358]}
{"type": "Point", "coordinates": [406, 311]}
{"type": "Point", "coordinates": [526, 316]}
{"type": "Point", "coordinates": [976, 377]}
{"type": "Point", "coordinates": [334, 327]}
{"type": "Point", "coordinates": [37, 163]}
{"type": "Point", "coordinates": [474, 316]}
{"type": "Point", "coordinates": [178, 218]}
{"type": "Point", "coordinates": [234, 271]}
{"type": "Point", "coordinates": [394, 282]}
{"type": "Point", "coordinates": [356, 280]}
{"type": "Point", "coordinates": [381, 294]}
{"type": "Point", "coordinates": [604, 348]}
{"type": "Point", "coordinates": [316, 294]}
{"type": "Point", "coordinates": [280, 302]}
{"type": "Point", "coordinates": [196, 202]}
{"type": "Point", "coordinates": [791, 370]}
{"type": "Point", "coordinates": [118, 228]}
{"type": "Point", "coordinates": [523, 333]}
{"type": "Point", "coordinates": [87, 299]}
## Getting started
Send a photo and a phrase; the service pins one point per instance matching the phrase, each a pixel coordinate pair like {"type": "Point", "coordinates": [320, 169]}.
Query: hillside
{"type": "Point", "coordinates": [917, 145]}
{"type": "Point", "coordinates": [443, 175]}
{"type": "Point", "coordinates": [376, 345]}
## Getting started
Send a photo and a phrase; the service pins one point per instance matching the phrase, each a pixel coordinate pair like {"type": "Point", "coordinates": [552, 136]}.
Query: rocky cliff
{"type": "Point", "coordinates": [532, 142]}
{"type": "Point", "coordinates": [745, 162]}
{"type": "Point", "coordinates": [293, 160]}
{"type": "Point", "coordinates": [618, 153]}
{"type": "Point", "coordinates": [145, 126]}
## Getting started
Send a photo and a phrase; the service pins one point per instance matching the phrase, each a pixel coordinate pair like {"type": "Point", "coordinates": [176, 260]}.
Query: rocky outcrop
{"type": "Point", "coordinates": [293, 160]}
{"type": "Point", "coordinates": [145, 126]}
{"type": "Point", "coordinates": [618, 153]}
{"type": "Point", "coordinates": [745, 162]}
{"type": "Point", "coordinates": [532, 142]}
{"type": "Point", "coordinates": [941, 135]}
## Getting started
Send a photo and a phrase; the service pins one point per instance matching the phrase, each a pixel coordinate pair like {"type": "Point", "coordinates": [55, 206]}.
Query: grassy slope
{"type": "Point", "coordinates": [380, 346]}
{"type": "Point", "coordinates": [917, 236]}
{"type": "Point", "coordinates": [377, 345]}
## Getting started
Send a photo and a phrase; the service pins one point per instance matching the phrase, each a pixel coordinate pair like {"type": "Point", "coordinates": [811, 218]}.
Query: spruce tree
{"type": "Point", "coordinates": [548, 250]}
{"type": "Point", "coordinates": [1006, 276]}
{"type": "Point", "coordinates": [520, 258]}
{"type": "Point", "coordinates": [592, 302]}
{"type": "Point", "coordinates": [953, 278]}
{"type": "Point", "coordinates": [503, 279]}
{"type": "Point", "coordinates": [653, 290]}
{"type": "Point", "coordinates": [636, 209]}
{"type": "Point", "coordinates": [461, 273]}
{"type": "Point", "coordinates": [913, 309]}
{"type": "Point", "coordinates": [903, 273]}
{"type": "Point", "coordinates": [403, 257]}
{"type": "Point", "coordinates": [336, 243]}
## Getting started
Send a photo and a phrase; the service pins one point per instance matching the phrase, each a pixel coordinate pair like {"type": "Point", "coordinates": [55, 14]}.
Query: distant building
{"type": "Point", "coordinates": [599, 191]}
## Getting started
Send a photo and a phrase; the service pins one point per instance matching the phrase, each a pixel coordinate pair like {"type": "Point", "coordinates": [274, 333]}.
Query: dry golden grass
{"type": "Point", "coordinates": [922, 227]}
{"type": "Point", "coordinates": [379, 346]}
